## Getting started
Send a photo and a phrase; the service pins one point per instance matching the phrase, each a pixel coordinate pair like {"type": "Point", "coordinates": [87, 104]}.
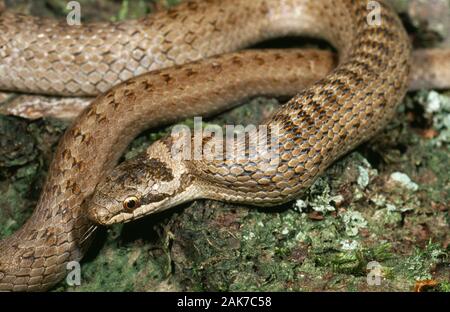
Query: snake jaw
{"type": "Point", "coordinates": [125, 217]}
{"type": "Point", "coordinates": [108, 216]}
{"type": "Point", "coordinates": [105, 210]}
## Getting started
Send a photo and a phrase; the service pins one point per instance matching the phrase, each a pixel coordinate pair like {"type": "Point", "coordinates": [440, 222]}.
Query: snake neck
{"type": "Point", "coordinates": [326, 120]}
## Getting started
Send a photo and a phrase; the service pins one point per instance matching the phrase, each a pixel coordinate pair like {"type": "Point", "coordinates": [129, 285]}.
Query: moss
{"type": "Point", "coordinates": [320, 199]}
{"type": "Point", "coordinates": [25, 150]}
{"type": "Point", "coordinates": [444, 286]}
{"type": "Point", "coordinates": [136, 10]}
{"type": "Point", "coordinates": [421, 262]}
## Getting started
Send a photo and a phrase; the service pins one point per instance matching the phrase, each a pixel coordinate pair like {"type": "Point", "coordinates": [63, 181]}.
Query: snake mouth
{"type": "Point", "coordinates": [102, 216]}
{"type": "Point", "coordinates": [122, 217]}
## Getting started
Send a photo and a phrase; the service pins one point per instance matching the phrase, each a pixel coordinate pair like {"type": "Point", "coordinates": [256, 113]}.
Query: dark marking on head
{"type": "Point", "coordinates": [159, 170]}
{"type": "Point", "coordinates": [154, 198]}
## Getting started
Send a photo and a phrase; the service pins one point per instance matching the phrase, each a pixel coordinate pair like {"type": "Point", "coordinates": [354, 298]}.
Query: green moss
{"type": "Point", "coordinates": [418, 265]}
{"type": "Point", "coordinates": [137, 9]}
{"type": "Point", "coordinates": [444, 286]}
{"type": "Point", "coordinates": [25, 151]}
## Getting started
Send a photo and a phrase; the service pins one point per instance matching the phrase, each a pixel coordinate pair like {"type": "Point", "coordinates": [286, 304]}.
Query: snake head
{"type": "Point", "coordinates": [148, 183]}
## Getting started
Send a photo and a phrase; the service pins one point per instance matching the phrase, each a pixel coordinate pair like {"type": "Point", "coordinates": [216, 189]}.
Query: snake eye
{"type": "Point", "coordinates": [131, 203]}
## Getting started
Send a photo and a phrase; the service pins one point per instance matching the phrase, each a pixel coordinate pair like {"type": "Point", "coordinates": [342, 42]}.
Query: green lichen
{"type": "Point", "coordinates": [437, 108]}
{"type": "Point", "coordinates": [25, 149]}
{"type": "Point", "coordinates": [419, 265]}
{"type": "Point", "coordinates": [319, 199]}
{"type": "Point", "coordinates": [444, 286]}
{"type": "Point", "coordinates": [404, 181]}
{"type": "Point", "coordinates": [353, 221]}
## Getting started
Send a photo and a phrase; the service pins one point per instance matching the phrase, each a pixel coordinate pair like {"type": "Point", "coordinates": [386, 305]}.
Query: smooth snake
{"type": "Point", "coordinates": [322, 122]}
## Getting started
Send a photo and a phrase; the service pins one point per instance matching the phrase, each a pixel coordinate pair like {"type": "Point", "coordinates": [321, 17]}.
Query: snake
{"type": "Point", "coordinates": [179, 63]}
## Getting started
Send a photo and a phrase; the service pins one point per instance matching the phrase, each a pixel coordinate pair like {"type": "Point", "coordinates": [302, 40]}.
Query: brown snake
{"type": "Point", "coordinates": [430, 70]}
{"type": "Point", "coordinates": [321, 123]}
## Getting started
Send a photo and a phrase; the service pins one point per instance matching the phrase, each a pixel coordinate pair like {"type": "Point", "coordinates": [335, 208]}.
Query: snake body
{"type": "Point", "coordinates": [430, 69]}
{"type": "Point", "coordinates": [321, 123]}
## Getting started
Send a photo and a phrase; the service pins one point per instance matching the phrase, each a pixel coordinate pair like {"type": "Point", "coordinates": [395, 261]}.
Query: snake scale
{"type": "Point", "coordinates": [319, 124]}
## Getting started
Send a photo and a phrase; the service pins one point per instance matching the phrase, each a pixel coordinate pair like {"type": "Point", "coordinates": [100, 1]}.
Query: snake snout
{"type": "Point", "coordinates": [98, 214]}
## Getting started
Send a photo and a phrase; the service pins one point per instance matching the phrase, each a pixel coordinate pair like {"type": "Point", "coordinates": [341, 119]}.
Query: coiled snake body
{"type": "Point", "coordinates": [317, 126]}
